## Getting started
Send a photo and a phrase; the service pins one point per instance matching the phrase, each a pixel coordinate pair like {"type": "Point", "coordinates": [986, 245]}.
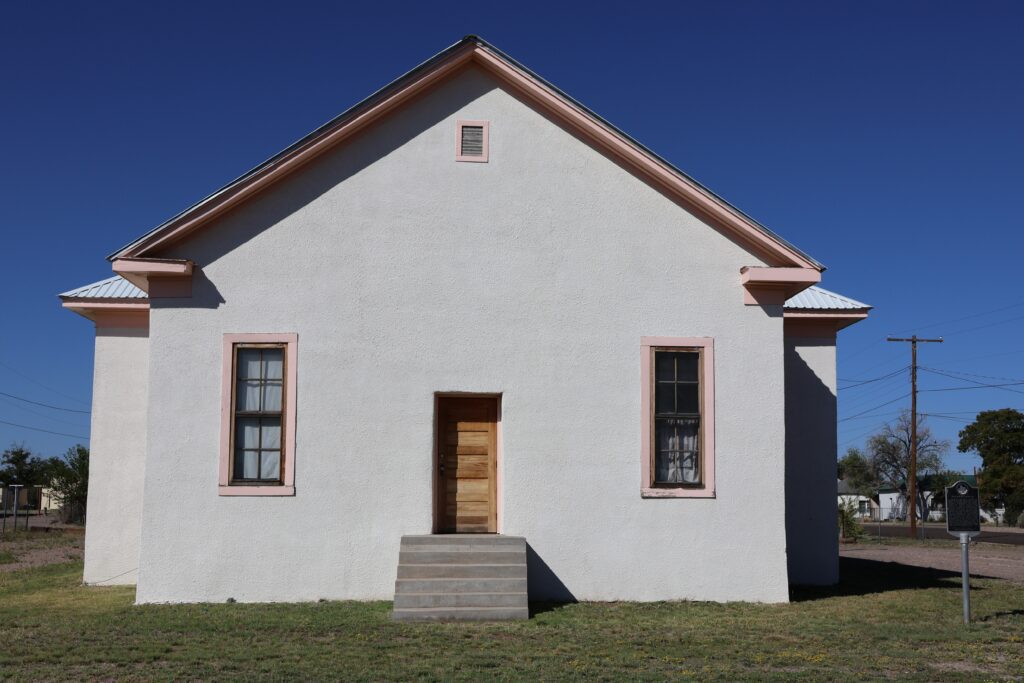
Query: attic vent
{"type": "Point", "coordinates": [471, 140]}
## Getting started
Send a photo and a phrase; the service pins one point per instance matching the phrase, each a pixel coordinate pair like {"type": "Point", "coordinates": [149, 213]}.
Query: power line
{"type": "Point", "coordinates": [880, 392]}
{"type": "Point", "coordinates": [45, 431]}
{"type": "Point", "coordinates": [881, 405]}
{"type": "Point", "coordinates": [966, 317]}
{"type": "Point", "coordinates": [864, 417]}
{"type": "Point", "coordinates": [947, 417]}
{"type": "Point", "coordinates": [869, 381]}
{"type": "Point", "coordinates": [38, 383]}
{"type": "Point", "coordinates": [986, 326]}
{"type": "Point", "coordinates": [979, 385]}
{"type": "Point", "coordinates": [39, 413]}
{"type": "Point", "coordinates": [44, 405]}
{"type": "Point", "coordinates": [972, 374]}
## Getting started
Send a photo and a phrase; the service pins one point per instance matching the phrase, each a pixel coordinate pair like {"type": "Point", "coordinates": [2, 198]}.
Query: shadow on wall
{"type": "Point", "coordinates": [811, 537]}
{"type": "Point", "coordinates": [542, 585]}
{"type": "Point", "coordinates": [299, 190]}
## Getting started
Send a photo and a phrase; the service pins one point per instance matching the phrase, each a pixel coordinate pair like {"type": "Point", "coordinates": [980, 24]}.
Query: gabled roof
{"type": "Point", "coordinates": [815, 298]}
{"type": "Point", "coordinates": [112, 288]}
{"type": "Point", "coordinates": [647, 165]}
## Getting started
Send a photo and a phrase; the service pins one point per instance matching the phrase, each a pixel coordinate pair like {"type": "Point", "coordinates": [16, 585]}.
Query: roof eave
{"type": "Point", "coordinates": [655, 169]}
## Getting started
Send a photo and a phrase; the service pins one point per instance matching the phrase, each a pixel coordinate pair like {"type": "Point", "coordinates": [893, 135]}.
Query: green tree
{"type": "Point", "coordinates": [998, 437]}
{"type": "Point", "coordinates": [70, 483]}
{"type": "Point", "coordinates": [856, 470]}
{"type": "Point", "coordinates": [889, 453]}
{"type": "Point", "coordinates": [19, 465]}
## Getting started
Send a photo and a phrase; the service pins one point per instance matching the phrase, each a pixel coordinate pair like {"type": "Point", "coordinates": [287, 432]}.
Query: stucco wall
{"type": "Point", "coordinates": [405, 273]}
{"type": "Point", "coordinates": [117, 456]}
{"type": "Point", "coordinates": [811, 497]}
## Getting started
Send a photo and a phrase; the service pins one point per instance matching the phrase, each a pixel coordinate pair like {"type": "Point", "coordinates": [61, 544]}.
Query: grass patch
{"type": "Point", "coordinates": [882, 621]}
{"type": "Point", "coordinates": [7, 557]}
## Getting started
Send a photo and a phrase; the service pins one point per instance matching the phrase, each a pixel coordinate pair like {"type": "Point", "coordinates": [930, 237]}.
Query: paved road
{"type": "Point", "coordinates": [988, 534]}
{"type": "Point", "coordinates": [999, 561]}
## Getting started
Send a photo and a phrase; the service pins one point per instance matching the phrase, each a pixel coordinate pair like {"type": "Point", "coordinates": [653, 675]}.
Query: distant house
{"type": "Point", "coordinates": [866, 506]}
{"type": "Point", "coordinates": [892, 500]}
{"type": "Point", "coordinates": [467, 305]}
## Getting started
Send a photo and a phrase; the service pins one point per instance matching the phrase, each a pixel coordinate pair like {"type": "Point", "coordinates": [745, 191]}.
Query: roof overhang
{"type": "Point", "coordinates": [157, 277]}
{"type": "Point", "coordinates": [110, 312]}
{"type": "Point", "coordinates": [636, 158]}
{"type": "Point", "coordinates": [817, 323]}
{"type": "Point", "coordinates": [769, 286]}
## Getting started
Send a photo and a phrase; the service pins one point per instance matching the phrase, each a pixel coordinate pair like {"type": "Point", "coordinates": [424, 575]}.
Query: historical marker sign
{"type": "Point", "coordinates": [963, 515]}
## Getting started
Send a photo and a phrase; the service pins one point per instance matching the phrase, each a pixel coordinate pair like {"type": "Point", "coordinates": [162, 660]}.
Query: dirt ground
{"type": "Point", "coordinates": [36, 549]}
{"type": "Point", "coordinates": [987, 559]}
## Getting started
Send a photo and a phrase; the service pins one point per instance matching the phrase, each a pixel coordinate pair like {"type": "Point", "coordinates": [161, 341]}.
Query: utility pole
{"type": "Point", "coordinates": [912, 473]}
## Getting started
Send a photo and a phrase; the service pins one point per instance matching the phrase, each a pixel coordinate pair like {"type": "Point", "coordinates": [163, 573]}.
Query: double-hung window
{"type": "Point", "coordinates": [259, 407]}
{"type": "Point", "coordinates": [258, 415]}
{"type": "Point", "coordinates": [678, 417]}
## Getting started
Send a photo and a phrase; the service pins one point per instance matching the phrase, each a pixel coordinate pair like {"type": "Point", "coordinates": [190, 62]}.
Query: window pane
{"type": "Point", "coordinates": [248, 363]}
{"type": "Point", "coordinates": [247, 432]}
{"type": "Point", "coordinates": [246, 463]}
{"type": "Point", "coordinates": [690, 468]}
{"type": "Point", "coordinates": [686, 398]}
{"type": "Point", "coordinates": [270, 461]}
{"type": "Point", "coordinates": [273, 363]}
{"type": "Point", "coordinates": [664, 398]}
{"type": "Point", "coordinates": [665, 436]}
{"type": "Point", "coordinates": [686, 366]}
{"type": "Point", "coordinates": [272, 397]}
{"type": "Point", "coordinates": [667, 468]}
{"type": "Point", "coordinates": [664, 365]}
{"type": "Point", "coordinates": [247, 396]}
{"type": "Point", "coordinates": [271, 432]}
{"type": "Point", "coordinates": [687, 430]}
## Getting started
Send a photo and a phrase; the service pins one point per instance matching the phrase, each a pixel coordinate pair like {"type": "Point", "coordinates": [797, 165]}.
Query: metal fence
{"type": "Point", "coordinates": [18, 504]}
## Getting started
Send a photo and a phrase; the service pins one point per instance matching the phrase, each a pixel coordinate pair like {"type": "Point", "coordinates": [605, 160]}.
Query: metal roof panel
{"type": "Point", "coordinates": [112, 288]}
{"type": "Point", "coordinates": [817, 298]}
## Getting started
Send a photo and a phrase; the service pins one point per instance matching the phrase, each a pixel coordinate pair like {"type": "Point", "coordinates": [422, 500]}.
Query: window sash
{"type": "Point", "coordinates": [684, 413]}
{"type": "Point", "coordinates": [268, 462]}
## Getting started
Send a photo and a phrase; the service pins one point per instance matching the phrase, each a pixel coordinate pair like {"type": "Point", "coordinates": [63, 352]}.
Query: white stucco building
{"type": "Point", "coordinates": [467, 304]}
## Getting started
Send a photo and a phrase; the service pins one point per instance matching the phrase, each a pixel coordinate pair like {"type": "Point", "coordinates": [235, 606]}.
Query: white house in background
{"type": "Point", "coordinates": [467, 304]}
{"type": "Point", "coordinates": [893, 501]}
{"type": "Point", "coordinates": [866, 507]}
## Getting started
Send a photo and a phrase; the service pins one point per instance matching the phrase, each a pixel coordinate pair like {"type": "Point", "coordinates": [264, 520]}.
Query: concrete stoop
{"type": "Point", "coordinates": [461, 577]}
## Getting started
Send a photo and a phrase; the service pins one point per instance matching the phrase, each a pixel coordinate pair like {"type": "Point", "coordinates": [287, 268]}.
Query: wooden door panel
{"type": "Point", "coordinates": [467, 450]}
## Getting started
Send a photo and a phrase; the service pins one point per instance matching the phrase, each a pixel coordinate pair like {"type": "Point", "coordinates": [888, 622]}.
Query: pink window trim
{"type": "Point", "coordinates": [287, 485]}
{"type": "Point", "coordinates": [707, 489]}
{"type": "Point", "coordinates": [459, 125]}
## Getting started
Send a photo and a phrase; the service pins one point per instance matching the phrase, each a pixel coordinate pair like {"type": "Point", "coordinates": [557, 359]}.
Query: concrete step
{"type": "Point", "coordinates": [490, 540]}
{"type": "Point", "coordinates": [460, 577]}
{"type": "Point", "coordinates": [473, 556]}
{"type": "Point", "coordinates": [443, 585]}
{"type": "Point", "coordinates": [461, 614]}
{"type": "Point", "coordinates": [433, 600]}
{"type": "Point", "coordinates": [462, 571]}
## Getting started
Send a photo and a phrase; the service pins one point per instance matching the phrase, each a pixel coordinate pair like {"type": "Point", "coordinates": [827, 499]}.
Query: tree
{"type": "Point", "coordinates": [998, 437]}
{"type": "Point", "coordinates": [857, 471]}
{"type": "Point", "coordinates": [70, 483]}
{"type": "Point", "coordinates": [889, 453]}
{"type": "Point", "coordinates": [22, 466]}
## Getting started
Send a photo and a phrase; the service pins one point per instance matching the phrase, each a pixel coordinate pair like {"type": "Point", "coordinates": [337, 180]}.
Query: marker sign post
{"type": "Point", "coordinates": [963, 519]}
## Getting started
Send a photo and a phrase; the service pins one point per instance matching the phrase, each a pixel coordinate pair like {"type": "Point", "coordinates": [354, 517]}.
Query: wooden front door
{"type": "Point", "coordinates": [467, 430]}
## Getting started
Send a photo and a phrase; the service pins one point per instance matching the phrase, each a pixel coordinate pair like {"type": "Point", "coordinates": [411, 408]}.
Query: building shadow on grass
{"type": "Point", "coordinates": [859, 576]}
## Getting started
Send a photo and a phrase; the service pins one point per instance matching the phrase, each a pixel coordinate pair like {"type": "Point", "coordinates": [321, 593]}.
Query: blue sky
{"type": "Point", "coordinates": [886, 139]}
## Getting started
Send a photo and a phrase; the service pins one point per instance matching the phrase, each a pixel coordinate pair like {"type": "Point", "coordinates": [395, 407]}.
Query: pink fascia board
{"type": "Point", "coordinates": [707, 488]}
{"type": "Point", "coordinates": [287, 485]}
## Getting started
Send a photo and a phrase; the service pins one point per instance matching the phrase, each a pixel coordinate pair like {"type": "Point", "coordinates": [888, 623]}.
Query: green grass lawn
{"type": "Point", "coordinates": [883, 621]}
